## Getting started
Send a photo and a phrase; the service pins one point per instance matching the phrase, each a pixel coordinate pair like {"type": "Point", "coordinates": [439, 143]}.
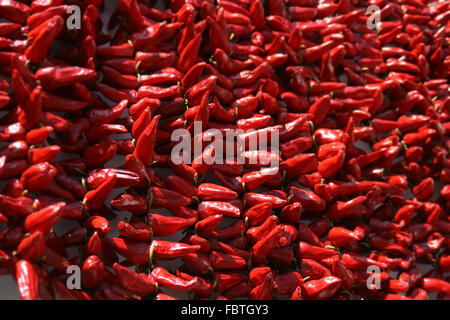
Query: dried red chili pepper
{"type": "Point", "coordinates": [322, 288]}
{"type": "Point", "coordinates": [44, 219]}
{"type": "Point", "coordinates": [138, 283]}
{"type": "Point", "coordinates": [163, 226]}
{"type": "Point", "coordinates": [223, 261]}
{"type": "Point", "coordinates": [27, 280]}
{"type": "Point", "coordinates": [340, 236]}
{"type": "Point", "coordinates": [305, 250]}
{"type": "Point", "coordinates": [167, 280]}
{"type": "Point", "coordinates": [435, 285]}
{"type": "Point", "coordinates": [208, 208]}
{"type": "Point", "coordinates": [100, 153]}
{"type": "Point", "coordinates": [309, 200]}
{"type": "Point", "coordinates": [262, 248]}
{"type": "Point", "coordinates": [97, 223]}
{"type": "Point", "coordinates": [161, 197]}
{"type": "Point", "coordinates": [144, 146]}
{"type": "Point", "coordinates": [94, 199]}
{"type": "Point", "coordinates": [258, 214]}
{"type": "Point", "coordinates": [32, 247]}
{"type": "Point", "coordinates": [232, 231]}
{"type": "Point", "coordinates": [43, 39]}
{"type": "Point", "coordinates": [92, 272]}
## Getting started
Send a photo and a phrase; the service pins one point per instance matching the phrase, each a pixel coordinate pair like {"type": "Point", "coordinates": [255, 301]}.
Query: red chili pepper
{"type": "Point", "coordinates": [53, 259]}
{"type": "Point", "coordinates": [291, 213]}
{"type": "Point", "coordinates": [435, 285]}
{"type": "Point", "coordinates": [340, 236]}
{"type": "Point", "coordinates": [424, 189]}
{"type": "Point", "coordinates": [94, 199]}
{"type": "Point", "coordinates": [264, 290]}
{"type": "Point", "coordinates": [92, 272]}
{"type": "Point", "coordinates": [95, 245]}
{"type": "Point", "coordinates": [344, 209]}
{"type": "Point", "coordinates": [382, 244]}
{"type": "Point", "coordinates": [223, 261]}
{"type": "Point", "coordinates": [262, 248]}
{"type": "Point", "coordinates": [118, 79]}
{"type": "Point", "coordinates": [163, 226]}
{"type": "Point", "coordinates": [305, 250]}
{"type": "Point", "coordinates": [258, 274]}
{"type": "Point", "coordinates": [122, 50]}
{"type": "Point", "coordinates": [210, 191]}
{"type": "Point", "coordinates": [320, 109]}
{"type": "Point", "coordinates": [144, 146]}
{"type": "Point", "coordinates": [202, 287]}
{"type": "Point", "coordinates": [55, 77]}
{"type": "Point", "coordinates": [313, 269]}
{"type": "Point", "coordinates": [276, 197]}
{"type": "Point", "coordinates": [45, 154]}
{"type": "Point", "coordinates": [140, 252]}
{"type": "Point", "coordinates": [189, 53]}
{"type": "Point", "coordinates": [65, 293]}
{"type": "Point", "coordinates": [44, 219]}
{"type": "Point", "coordinates": [434, 242]}
{"type": "Point", "coordinates": [134, 231]}
{"type": "Point", "coordinates": [136, 204]}
{"type": "Point", "coordinates": [205, 226]}
{"type": "Point", "coordinates": [307, 235]}
{"type": "Point", "coordinates": [138, 283]}
{"type": "Point", "coordinates": [299, 164]}
{"type": "Point", "coordinates": [240, 290]}
{"type": "Point", "coordinates": [43, 39]}
{"type": "Point", "coordinates": [39, 135]}
{"type": "Point", "coordinates": [231, 231]}
{"type": "Point", "coordinates": [125, 178]}
{"type": "Point", "coordinates": [32, 247]}
{"type": "Point", "coordinates": [197, 263]}
{"type": "Point", "coordinates": [161, 197]}
{"type": "Point", "coordinates": [73, 237]}
{"type": "Point", "coordinates": [98, 224]}
{"type": "Point", "coordinates": [224, 281]}
{"type": "Point", "coordinates": [309, 200]}
{"type": "Point", "coordinates": [104, 116]}
{"type": "Point", "coordinates": [8, 28]}
{"type": "Point", "coordinates": [322, 288]}
{"type": "Point", "coordinates": [167, 280]}
{"type": "Point", "coordinates": [100, 153]}
{"type": "Point", "coordinates": [209, 208]}
{"type": "Point", "coordinates": [32, 109]}
{"type": "Point", "coordinates": [258, 214]}
{"type": "Point", "coordinates": [227, 248]}
{"type": "Point", "coordinates": [27, 280]}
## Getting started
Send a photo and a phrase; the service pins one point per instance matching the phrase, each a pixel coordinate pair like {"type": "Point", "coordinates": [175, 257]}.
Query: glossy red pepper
{"type": "Point", "coordinates": [262, 248]}
{"type": "Point", "coordinates": [44, 219]}
{"type": "Point", "coordinates": [138, 283]}
{"type": "Point", "coordinates": [162, 226]}
{"type": "Point", "coordinates": [43, 39]}
{"type": "Point", "coordinates": [167, 280]}
{"type": "Point", "coordinates": [94, 199]}
{"type": "Point", "coordinates": [27, 280]}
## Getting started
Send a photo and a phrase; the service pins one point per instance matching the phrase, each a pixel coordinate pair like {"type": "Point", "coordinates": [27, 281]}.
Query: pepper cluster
{"type": "Point", "coordinates": [363, 116]}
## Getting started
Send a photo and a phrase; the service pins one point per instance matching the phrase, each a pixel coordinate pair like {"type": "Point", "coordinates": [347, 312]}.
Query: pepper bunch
{"type": "Point", "coordinates": [362, 112]}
